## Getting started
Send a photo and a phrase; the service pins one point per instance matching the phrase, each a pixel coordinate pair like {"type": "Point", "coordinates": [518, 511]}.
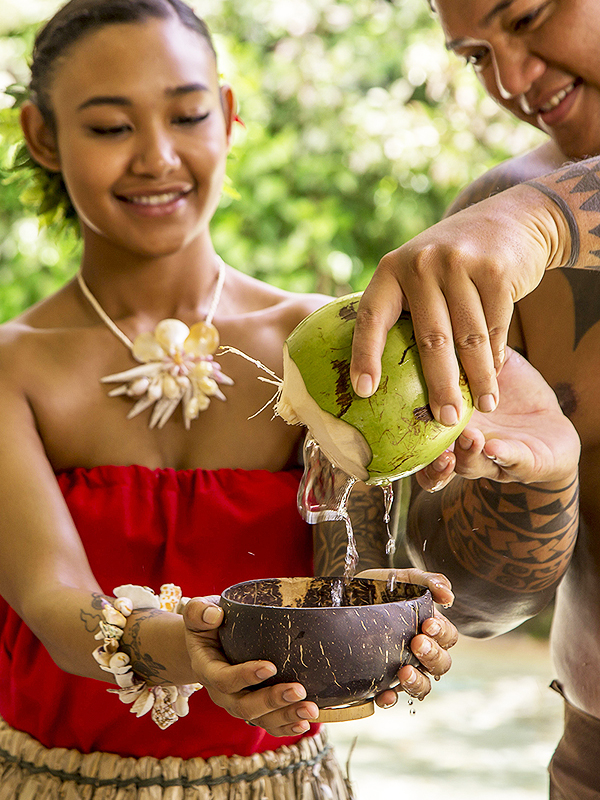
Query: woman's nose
{"type": "Point", "coordinates": [156, 154]}
{"type": "Point", "coordinates": [515, 70]}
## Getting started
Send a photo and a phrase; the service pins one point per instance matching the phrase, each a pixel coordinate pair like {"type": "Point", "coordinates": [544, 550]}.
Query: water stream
{"type": "Point", "coordinates": [323, 496]}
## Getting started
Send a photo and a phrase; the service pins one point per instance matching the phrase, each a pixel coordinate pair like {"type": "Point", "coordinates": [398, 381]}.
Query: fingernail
{"type": "Point", "coordinates": [486, 403]}
{"type": "Point", "coordinates": [425, 648]}
{"type": "Point", "coordinates": [212, 615]}
{"type": "Point", "coordinates": [433, 628]}
{"type": "Point", "coordinates": [262, 673]}
{"type": "Point", "coordinates": [392, 704]}
{"type": "Point", "coordinates": [440, 463]}
{"type": "Point", "coordinates": [448, 415]}
{"type": "Point", "coordinates": [411, 680]}
{"type": "Point", "coordinates": [293, 695]}
{"type": "Point", "coordinates": [464, 442]}
{"type": "Point", "coordinates": [301, 727]}
{"type": "Point", "coordinates": [304, 713]}
{"type": "Point", "coordinates": [364, 385]}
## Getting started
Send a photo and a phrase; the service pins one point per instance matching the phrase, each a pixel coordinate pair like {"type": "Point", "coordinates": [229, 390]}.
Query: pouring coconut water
{"type": "Point", "coordinates": [378, 439]}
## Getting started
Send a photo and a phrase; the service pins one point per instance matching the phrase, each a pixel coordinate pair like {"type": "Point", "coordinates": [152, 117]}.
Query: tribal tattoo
{"type": "Point", "coordinates": [330, 540]}
{"type": "Point", "coordinates": [579, 178]}
{"type": "Point", "coordinates": [142, 662]}
{"type": "Point", "coordinates": [518, 537]}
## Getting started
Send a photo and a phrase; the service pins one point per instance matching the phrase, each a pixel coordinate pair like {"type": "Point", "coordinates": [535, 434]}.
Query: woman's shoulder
{"type": "Point", "coordinates": [275, 306]}
{"type": "Point", "coordinates": [35, 329]}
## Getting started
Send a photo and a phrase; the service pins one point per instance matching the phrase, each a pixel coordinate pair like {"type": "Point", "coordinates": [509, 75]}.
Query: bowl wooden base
{"type": "Point", "coordinates": [345, 713]}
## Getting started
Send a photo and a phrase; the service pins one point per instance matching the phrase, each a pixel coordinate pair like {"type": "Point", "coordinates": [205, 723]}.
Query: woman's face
{"type": "Point", "coordinates": [142, 132]}
{"type": "Point", "coordinates": [537, 58]}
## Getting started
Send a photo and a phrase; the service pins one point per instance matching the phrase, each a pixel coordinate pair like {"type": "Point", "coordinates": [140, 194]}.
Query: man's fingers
{"type": "Point", "coordinates": [373, 321]}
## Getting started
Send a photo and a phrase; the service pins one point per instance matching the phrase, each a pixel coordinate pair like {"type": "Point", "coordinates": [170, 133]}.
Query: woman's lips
{"type": "Point", "coordinates": [155, 204]}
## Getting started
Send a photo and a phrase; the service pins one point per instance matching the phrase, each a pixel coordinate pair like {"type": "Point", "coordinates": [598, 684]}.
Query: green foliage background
{"type": "Point", "coordinates": [359, 130]}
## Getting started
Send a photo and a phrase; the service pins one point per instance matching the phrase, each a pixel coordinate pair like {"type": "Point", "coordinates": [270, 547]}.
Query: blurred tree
{"type": "Point", "coordinates": [359, 130]}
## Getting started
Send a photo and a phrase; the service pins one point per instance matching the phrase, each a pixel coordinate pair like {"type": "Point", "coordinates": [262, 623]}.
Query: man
{"type": "Point", "coordinates": [491, 529]}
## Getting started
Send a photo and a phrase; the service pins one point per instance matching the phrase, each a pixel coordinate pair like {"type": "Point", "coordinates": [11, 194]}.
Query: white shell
{"type": "Point", "coordinates": [113, 616]}
{"type": "Point", "coordinates": [143, 704]}
{"type": "Point", "coordinates": [171, 333]}
{"type": "Point", "coordinates": [138, 387]}
{"type": "Point", "coordinates": [171, 389]}
{"type": "Point", "coordinates": [118, 660]}
{"type": "Point", "coordinates": [124, 605]}
{"type": "Point", "coordinates": [140, 596]}
{"type": "Point", "coordinates": [124, 679]}
{"type": "Point", "coordinates": [146, 348]}
{"type": "Point", "coordinates": [181, 706]}
{"type": "Point", "coordinates": [101, 656]}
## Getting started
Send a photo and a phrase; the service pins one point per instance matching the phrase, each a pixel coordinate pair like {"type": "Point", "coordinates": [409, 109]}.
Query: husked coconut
{"type": "Point", "coordinates": [377, 439]}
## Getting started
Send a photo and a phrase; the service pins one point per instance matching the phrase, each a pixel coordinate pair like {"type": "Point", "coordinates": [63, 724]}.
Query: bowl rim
{"type": "Point", "coordinates": [420, 597]}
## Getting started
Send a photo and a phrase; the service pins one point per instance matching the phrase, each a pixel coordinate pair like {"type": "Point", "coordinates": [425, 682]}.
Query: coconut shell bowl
{"type": "Point", "coordinates": [343, 639]}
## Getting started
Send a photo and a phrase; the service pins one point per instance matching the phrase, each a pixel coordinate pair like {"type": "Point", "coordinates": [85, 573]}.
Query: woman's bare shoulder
{"type": "Point", "coordinates": [275, 306]}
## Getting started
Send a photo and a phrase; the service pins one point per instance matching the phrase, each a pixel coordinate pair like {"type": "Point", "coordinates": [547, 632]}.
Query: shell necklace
{"type": "Point", "coordinates": [176, 363]}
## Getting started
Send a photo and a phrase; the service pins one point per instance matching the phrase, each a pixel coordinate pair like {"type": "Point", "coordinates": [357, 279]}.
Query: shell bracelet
{"type": "Point", "coordinates": [177, 363]}
{"type": "Point", "coordinates": [167, 703]}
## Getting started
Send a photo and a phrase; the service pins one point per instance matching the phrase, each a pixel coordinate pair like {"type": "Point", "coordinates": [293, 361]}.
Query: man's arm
{"type": "Point", "coordinates": [461, 278]}
{"type": "Point", "coordinates": [500, 518]}
{"type": "Point", "coordinates": [505, 548]}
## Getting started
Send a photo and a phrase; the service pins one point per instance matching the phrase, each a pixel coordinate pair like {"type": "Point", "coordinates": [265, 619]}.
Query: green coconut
{"type": "Point", "coordinates": [376, 439]}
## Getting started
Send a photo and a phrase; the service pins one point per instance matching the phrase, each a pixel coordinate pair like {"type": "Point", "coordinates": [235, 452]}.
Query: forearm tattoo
{"type": "Point", "coordinates": [131, 643]}
{"type": "Point", "coordinates": [330, 539]}
{"type": "Point", "coordinates": [92, 621]}
{"type": "Point", "coordinates": [580, 178]}
{"type": "Point", "coordinates": [518, 537]}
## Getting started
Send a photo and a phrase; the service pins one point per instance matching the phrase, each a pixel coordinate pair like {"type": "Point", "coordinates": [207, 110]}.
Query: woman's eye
{"type": "Point", "coordinates": [109, 130]}
{"type": "Point", "coordinates": [191, 119]}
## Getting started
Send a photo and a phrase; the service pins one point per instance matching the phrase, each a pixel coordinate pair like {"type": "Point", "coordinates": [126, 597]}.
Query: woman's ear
{"type": "Point", "coordinates": [229, 104]}
{"type": "Point", "coordinates": [40, 138]}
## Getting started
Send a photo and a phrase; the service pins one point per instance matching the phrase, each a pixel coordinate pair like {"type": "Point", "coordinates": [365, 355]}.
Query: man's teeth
{"type": "Point", "coordinates": [558, 98]}
{"type": "Point", "coordinates": [155, 199]}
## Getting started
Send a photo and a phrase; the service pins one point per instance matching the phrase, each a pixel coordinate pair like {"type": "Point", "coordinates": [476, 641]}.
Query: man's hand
{"type": "Point", "coordinates": [460, 279]}
{"type": "Point", "coordinates": [527, 439]}
{"type": "Point", "coordinates": [430, 646]}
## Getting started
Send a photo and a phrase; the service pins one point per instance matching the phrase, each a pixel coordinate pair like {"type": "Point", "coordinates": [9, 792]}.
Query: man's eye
{"type": "Point", "coordinates": [528, 19]}
{"type": "Point", "coordinates": [476, 58]}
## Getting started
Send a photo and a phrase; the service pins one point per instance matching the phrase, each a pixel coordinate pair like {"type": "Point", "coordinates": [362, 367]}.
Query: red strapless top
{"type": "Point", "coordinates": [201, 529]}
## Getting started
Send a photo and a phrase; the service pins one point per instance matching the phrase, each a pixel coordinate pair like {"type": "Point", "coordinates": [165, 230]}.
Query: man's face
{"type": "Point", "coordinates": [537, 58]}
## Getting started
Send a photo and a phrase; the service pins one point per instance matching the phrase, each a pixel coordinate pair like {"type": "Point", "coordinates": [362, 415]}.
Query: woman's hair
{"type": "Point", "coordinates": [80, 17]}
{"type": "Point", "coordinates": [72, 22]}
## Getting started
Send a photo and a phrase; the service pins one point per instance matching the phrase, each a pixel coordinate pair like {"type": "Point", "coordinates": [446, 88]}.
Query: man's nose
{"type": "Point", "coordinates": [516, 69]}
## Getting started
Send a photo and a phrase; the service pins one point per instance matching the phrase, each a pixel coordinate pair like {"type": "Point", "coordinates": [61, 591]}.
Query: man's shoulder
{"type": "Point", "coordinates": [541, 161]}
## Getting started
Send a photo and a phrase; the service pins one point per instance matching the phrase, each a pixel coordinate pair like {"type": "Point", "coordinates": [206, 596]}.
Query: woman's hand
{"type": "Point", "coordinates": [430, 646]}
{"type": "Point", "coordinates": [527, 439]}
{"type": "Point", "coordinates": [281, 709]}
{"type": "Point", "coordinates": [460, 280]}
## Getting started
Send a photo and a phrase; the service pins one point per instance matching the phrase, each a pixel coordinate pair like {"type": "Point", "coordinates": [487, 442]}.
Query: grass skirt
{"type": "Point", "coordinates": [305, 771]}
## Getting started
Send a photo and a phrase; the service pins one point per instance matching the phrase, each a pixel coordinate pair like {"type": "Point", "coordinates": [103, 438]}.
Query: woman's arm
{"type": "Point", "coordinates": [46, 578]}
